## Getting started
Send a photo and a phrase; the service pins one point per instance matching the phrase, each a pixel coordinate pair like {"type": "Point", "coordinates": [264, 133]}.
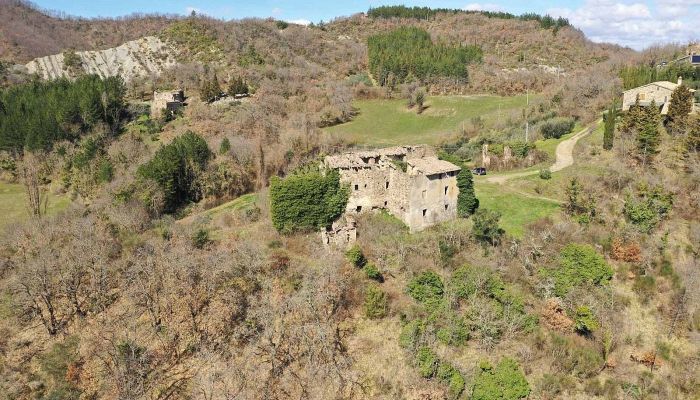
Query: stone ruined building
{"type": "Point", "coordinates": [168, 101]}
{"type": "Point", "coordinates": [660, 92]}
{"type": "Point", "coordinates": [409, 182]}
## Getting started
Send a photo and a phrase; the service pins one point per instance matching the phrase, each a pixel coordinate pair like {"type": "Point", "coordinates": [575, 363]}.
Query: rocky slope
{"type": "Point", "coordinates": [137, 58]}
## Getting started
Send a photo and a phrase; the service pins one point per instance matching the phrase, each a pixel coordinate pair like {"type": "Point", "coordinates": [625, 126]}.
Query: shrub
{"type": "Point", "coordinates": [585, 321]}
{"type": "Point", "coordinates": [454, 379]}
{"type": "Point", "coordinates": [376, 302]}
{"type": "Point", "coordinates": [427, 362]}
{"type": "Point", "coordinates": [372, 272]}
{"type": "Point", "coordinates": [502, 382]}
{"type": "Point", "coordinates": [556, 128]}
{"type": "Point", "coordinates": [426, 288]}
{"type": "Point", "coordinates": [281, 25]}
{"type": "Point", "coordinates": [411, 334]}
{"type": "Point", "coordinates": [105, 171]}
{"type": "Point", "coordinates": [200, 238]}
{"type": "Point", "coordinates": [355, 257]}
{"type": "Point", "coordinates": [455, 331]}
{"type": "Point", "coordinates": [645, 287]}
{"type": "Point", "coordinates": [545, 174]}
{"type": "Point", "coordinates": [175, 166]}
{"type": "Point", "coordinates": [307, 201]}
{"type": "Point", "coordinates": [486, 228]}
{"type": "Point", "coordinates": [578, 265]}
{"type": "Point", "coordinates": [225, 146]}
{"type": "Point", "coordinates": [648, 208]}
{"type": "Point", "coordinates": [56, 363]}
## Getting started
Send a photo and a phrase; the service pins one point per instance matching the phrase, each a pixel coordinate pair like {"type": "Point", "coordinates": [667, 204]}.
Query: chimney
{"type": "Point", "coordinates": [680, 80]}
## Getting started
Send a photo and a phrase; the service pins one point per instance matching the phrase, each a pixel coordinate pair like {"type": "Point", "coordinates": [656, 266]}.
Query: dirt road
{"type": "Point", "coordinates": [564, 157]}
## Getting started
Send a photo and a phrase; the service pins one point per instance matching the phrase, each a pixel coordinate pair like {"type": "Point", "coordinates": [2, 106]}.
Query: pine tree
{"type": "Point", "coordinates": [609, 133]}
{"type": "Point", "coordinates": [648, 137]}
{"type": "Point", "coordinates": [681, 105]}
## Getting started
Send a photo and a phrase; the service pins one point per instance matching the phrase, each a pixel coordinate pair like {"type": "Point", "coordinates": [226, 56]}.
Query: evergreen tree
{"type": "Point", "coordinates": [680, 107]}
{"type": "Point", "coordinates": [467, 203]}
{"type": "Point", "coordinates": [692, 141]}
{"type": "Point", "coordinates": [609, 133]}
{"type": "Point", "coordinates": [648, 136]}
{"type": "Point", "coordinates": [237, 86]}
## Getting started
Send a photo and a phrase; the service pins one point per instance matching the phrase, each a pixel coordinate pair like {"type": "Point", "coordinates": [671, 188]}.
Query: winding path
{"type": "Point", "coordinates": [564, 157]}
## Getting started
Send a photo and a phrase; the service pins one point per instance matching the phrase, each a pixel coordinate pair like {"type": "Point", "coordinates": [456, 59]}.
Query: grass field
{"type": "Point", "coordinates": [517, 211]}
{"type": "Point", "coordinates": [390, 122]}
{"type": "Point", "coordinates": [13, 207]}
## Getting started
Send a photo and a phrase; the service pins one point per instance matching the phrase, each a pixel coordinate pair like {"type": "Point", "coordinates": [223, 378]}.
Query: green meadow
{"type": "Point", "coordinates": [390, 122]}
{"type": "Point", "coordinates": [13, 206]}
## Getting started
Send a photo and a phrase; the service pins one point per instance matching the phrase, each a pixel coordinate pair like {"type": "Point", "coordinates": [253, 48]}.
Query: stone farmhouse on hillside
{"type": "Point", "coordinates": [659, 92]}
{"type": "Point", "coordinates": [409, 182]}
{"type": "Point", "coordinates": [168, 101]}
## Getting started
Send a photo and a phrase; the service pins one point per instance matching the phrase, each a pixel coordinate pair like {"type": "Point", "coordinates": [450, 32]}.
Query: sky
{"type": "Point", "coordinates": [633, 23]}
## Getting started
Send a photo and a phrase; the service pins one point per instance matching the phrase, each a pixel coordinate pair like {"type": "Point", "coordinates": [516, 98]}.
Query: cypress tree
{"type": "Point", "coordinates": [648, 137]}
{"type": "Point", "coordinates": [609, 133]}
{"type": "Point", "coordinates": [467, 203]}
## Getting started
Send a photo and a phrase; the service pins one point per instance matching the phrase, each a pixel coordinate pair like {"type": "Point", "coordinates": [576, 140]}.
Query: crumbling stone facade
{"type": "Point", "coordinates": [169, 101]}
{"type": "Point", "coordinates": [409, 182]}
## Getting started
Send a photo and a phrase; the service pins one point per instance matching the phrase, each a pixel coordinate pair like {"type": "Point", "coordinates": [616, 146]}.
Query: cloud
{"type": "Point", "coordinates": [483, 7]}
{"type": "Point", "coordinates": [302, 21]}
{"type": "Point", "coordinates": [276, 11]}
{"type": "Point", "coordinates": [636, 24]}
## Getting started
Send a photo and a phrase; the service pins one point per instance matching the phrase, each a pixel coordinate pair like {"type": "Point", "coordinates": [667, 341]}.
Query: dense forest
{"type": "Point", "coordinates": [408, 52]}
{"type": "Point", "coordinates": [546, 21]}
{"type": "Point", "coordinates": [37, 114]}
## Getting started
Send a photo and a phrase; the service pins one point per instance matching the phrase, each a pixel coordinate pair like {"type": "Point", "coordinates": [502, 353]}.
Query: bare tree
{"type": "Point", "coordinates": [30, 178]}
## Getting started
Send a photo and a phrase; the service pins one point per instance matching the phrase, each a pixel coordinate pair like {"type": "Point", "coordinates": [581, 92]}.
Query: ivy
{"type": "Point", "coordinates": [307, 201]}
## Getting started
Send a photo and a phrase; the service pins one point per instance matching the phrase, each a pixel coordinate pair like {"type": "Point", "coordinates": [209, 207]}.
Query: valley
{"type": "Point", "coordinates": [402, 203]}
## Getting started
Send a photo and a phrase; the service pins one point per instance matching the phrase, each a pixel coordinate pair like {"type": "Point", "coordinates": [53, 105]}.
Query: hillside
{"type": "Point", "coordinates": [27, 33]}
{"type": "Point", "coordinates": [179, 254]}
{"type": "Point", "coordinates": [148, 56]}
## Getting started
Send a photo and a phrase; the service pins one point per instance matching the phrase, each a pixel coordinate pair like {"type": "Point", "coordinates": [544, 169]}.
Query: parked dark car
{"type": "Point", "coordinates": [479, 171]}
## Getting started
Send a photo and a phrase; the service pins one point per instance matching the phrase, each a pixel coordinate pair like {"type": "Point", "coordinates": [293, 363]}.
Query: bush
{"type": "Point", "coordinates": [427, 362]}
{"type": "Point", "coordinates": [426, 288]}
{"type": "Point", "coordinates": [578, 265]}
{"type": "Point", "coordinates": [556, 128]}
{"type": "Point", "coordinates": [175, 166]}
{"type": "Point", "coordinates": [200, 238]}
{"type": "Point", "coordinates": [355, 257]}
{"type": "Point", "coordinates": [645, 287]}
{"type": "Point", "coordinates": [545, 174]}
{"type": "Point", "coordinates": [411, 334]}
{"type": "Point", "coordinates": [281, 25]}
{"type": "Point", "coordinates": [307, 201]}
{"type": "Point", "coordinates": [376, 302]}
{"type": "Point", "coordinates": [648, 208]}
{"type": "Point", "coordinates": [486, 228]}
{"type": "Point", "coordinates": [373, 273]}
{"type": "Point", "coordinates": [503, 382]}
{"type": "Point", "coordinates": [585, 321]}
{"type": "Point", "coordinates": [454, 379]}
{"type": "Point", "coordinates": [225, 146]}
